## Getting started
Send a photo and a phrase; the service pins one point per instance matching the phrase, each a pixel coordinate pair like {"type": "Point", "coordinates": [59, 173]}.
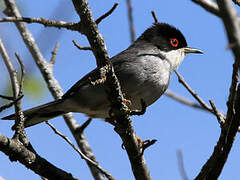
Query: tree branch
{"type": "Point", "coordinates": [54, 54]}
{"type": "Point", "coordinates": [181, 165]}
{"type": "Point", "coordinates": [83, 156]}
{"type": "Point", "coordinates": [107, 13]}
{"type": "Point", "coordinates": [17, 151]}
{"type": "Point", "coordinates": [237, 2]}
{"type": "Point", "coordinates": [19, 133]}
{"type": "Point", "coordinates": [80, 47]}
{"type": "Point", "coordinates": [46, 71]}
{"type": "Point", "coordinates": [45, 22]}
{"type": "Point", "coordinates": [184, 100]}
{"type": "Point", "coordinates": [124, 127]}
{"type": "Point", "coordinates": [199, 99]}
{"type": "Point", "coordinates": [215, 164]}
{"type": "Point", "coordinates": [209, 6]}
{"type": "Point", "coordinates": [130, 21]}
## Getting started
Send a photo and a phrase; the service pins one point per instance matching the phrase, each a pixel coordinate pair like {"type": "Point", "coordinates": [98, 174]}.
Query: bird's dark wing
{"type": "Point", "coordinates": [93, 75]}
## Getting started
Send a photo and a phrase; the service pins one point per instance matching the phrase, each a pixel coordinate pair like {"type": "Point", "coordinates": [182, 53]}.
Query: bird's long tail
{"type": "Point", "coordinates": [40, 113]}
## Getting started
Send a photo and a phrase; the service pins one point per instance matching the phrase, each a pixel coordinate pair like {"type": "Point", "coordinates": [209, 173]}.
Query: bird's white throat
{"type": "Point", "coordinates": [174, 57]}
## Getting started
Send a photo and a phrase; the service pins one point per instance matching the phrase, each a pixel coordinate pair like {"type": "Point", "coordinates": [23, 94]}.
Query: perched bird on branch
{"type": "Point", "coordinates": [143, 70]}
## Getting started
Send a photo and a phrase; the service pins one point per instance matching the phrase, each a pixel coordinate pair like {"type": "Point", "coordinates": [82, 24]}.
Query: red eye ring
{"type": "Point", "coordinates": [174, 42]}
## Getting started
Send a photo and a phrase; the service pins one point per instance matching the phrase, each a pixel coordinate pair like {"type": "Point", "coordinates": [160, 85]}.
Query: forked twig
{"type": "Point", "coordinates": [83, 156]}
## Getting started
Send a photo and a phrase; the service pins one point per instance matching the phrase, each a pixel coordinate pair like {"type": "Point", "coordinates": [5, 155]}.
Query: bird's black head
{"type": "Point", "coordinates": [164, 36]}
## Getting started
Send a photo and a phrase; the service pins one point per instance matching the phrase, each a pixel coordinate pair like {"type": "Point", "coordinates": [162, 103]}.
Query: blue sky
{"type": "Point", "coordinates": [175, 126]}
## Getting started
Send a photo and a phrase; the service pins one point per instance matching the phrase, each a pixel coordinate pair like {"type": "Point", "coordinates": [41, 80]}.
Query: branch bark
{"type": "Point", "coordinates": [215, 164]}
{"type": "Point", "coordinates": [18, 152]}
{"type": "Point", "coordinates": [46, 71]}
{"type": "Point", "coordinates": [124, 127]}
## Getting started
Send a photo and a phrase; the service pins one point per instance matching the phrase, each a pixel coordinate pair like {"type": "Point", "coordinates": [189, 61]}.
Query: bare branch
{"type": "Point", "coordinates": [209, 6]}
{"type": "Point", "coordinates": [154, 16]}
{"type": "Point", "coordinates": [86, 149]}
{"type": "Point", "coordinates": [19, 147]}
{"type": "Point", "coordinates": [22, 74]}
{"type": "Point", "coordinates": [107, 13]}
{"type": "Point", "coordinates": [43, 65]}
{"type": "Point", "coordinates": [81, 128]}
{"type": "Point", "coordinates": [217, 113]}
{"type": "Point", "coordinates": [11, 103]}
{"type": "Point", "coordinates": [237, 2]}
{"type": "Point", "coordinates": [83, 156]}
{"type": "Point", "coordinates": [130, 21]}
{"type": "Point", "coordinates": [7, 97]}
{"type": "Point", "coordinates": [17, 151]}
{"type": "Point", "coordinates": [19, 133]}
{"type": "Point", "coordinates": [184, 100]}
{"type": "Point", "coordinates": [146, 144]}
{"type": "Point", "coordinates": [213, 167]}
{"type": "Point", "coordinates": [80, 47]}
{"type": "Point", "coordinates": [124, 127]}
{"type": "Point", "coordinates": [54, 54]}
{"type": "Point", "coordinates": [194, 94]}
{"type": "Point", "coordinates": [45, 22]}
{"type": "Point", "coordinates": [181, 165]}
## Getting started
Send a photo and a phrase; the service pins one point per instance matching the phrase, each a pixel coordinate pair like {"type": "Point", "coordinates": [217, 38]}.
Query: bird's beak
{"type": "Point", "coordinates": [188, 50]}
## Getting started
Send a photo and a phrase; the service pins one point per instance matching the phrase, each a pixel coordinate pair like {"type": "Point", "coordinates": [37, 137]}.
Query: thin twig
{"type": "Point", "coordinates": [45, 22]}
{"type": "Point", "coordinates": [130, 21]}
{"type": "Point", "coordinates": [213, 167]}
{"type": "Point", "coordinates": [220, 116]}
{"type": "Point", "coordinates": [209, 6]}
{"type": "Point", "coordinates": [147, 144]}
{"type": "Point", "coordinates": [15, 149]}
{"type": "Point", "coordinates": [217, 113]}
{"type": "Point", "coordinates": [184, 100]}
{"type": "Point", "coordinates": [46, 71]}
{"type": "Point", "coordinates": [237, 2]}
{"type": "Point", "coordinates": [22, 74]}
{"type": "Point", "coordinates": [19, 133]}
{"type": "Point", "coordinates": [86, 149]}
{"type": "Point", "coordinates": [11, 103]}
{"type": "Point", "coordinates": [80, 47]}
{"type": "Point", "coordinates": [154, 16]}
{"type": "Point", "coordinates": [181, 165]}
{"type": "Point", "coordinates": [83, 156]}
{"type": "Point", "coordinates": [7, 97]}
{"type": "Point", "coordinates": [193, 93]}
{"type": "Point", "coordinates": [112, 86]}
{"type": "Point", "coordinates": [54, 54]}
{"type": "Point", "coordinates": [107, 13]}
{"type": "Point", "coordinates": [81, 128]}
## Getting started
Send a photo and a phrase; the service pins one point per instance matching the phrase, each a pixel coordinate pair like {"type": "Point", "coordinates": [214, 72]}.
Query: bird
{"type": "Point", "coordinates": [143, 70]}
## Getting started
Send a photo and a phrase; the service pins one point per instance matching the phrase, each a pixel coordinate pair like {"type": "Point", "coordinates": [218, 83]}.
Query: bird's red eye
{"type": "Point", "coordinates": [174, 42]}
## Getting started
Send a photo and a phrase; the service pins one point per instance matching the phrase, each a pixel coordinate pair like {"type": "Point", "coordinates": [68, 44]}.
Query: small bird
{"type": "Point", "coordinates": [143, 70]}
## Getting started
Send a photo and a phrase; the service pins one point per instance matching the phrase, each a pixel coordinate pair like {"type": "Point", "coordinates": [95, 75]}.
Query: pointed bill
{"type": "Point", "coordinates": [188, 50]}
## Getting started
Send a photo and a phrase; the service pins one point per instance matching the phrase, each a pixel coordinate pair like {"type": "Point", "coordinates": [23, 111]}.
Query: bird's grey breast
{"type": "Point", "coordinates": [143, 74]}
